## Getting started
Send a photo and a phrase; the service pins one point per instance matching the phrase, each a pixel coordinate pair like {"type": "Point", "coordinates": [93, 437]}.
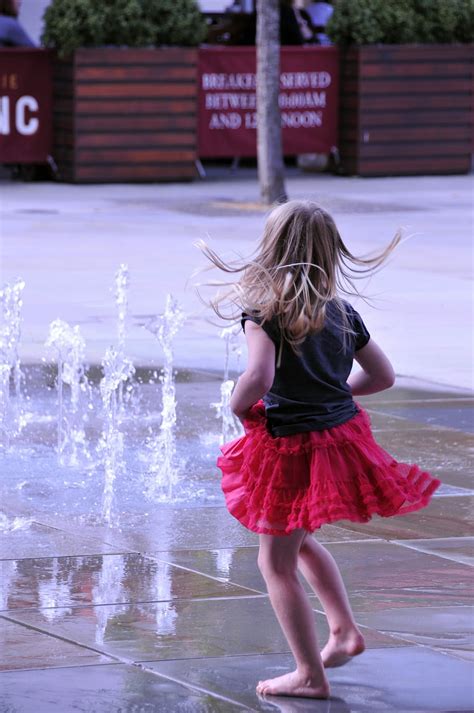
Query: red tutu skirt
{"type": "Point", "coordinates": [276, 485]}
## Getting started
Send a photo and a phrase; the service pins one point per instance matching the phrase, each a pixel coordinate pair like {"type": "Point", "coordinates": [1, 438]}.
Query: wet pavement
{"type": "Point", "coordinates": [164, 609]}
{"type": "Point", "coordinates": [167, 611]}
{"type": "Point", "coordinates": [418, 306]}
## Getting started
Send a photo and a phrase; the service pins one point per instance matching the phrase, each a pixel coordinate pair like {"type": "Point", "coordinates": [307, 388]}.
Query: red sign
{"type": "Point", "coordinates": [228, 109]}
{"type": "Point", "coordinates": [25, 105]}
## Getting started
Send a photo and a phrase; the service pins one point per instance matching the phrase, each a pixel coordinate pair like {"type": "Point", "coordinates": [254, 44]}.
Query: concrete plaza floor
{"type": "Point", "coordinates": [67, 242]}
{"type": "Point", "coordinates": [171, 613]}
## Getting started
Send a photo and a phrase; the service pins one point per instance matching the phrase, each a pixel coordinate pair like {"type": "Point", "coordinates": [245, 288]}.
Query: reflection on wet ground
{"type": "Point", "coordinates": [165, 609]}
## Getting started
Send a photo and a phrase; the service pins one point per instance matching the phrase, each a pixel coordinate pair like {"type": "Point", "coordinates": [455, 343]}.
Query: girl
{"type": "Point", "coordinates": [308, 456]}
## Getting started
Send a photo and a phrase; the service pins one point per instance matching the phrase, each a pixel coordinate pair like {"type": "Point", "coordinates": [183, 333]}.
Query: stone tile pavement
{"type": "Point", "coordinates": [173, 615]}
{"type": "Point", "coordinates": [169, 612]}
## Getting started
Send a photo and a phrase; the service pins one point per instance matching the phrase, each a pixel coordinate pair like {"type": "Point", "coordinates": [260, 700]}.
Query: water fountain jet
{"type": "Point", "coordinates": [117, 369]}
{"type": "Point", "coordinates": [230, 427]}
{"type": "Point", "coordinates": [11, 303]}
{"type": "Point", "coordinates": [122, 283]}
{"type": "Point", "coordinates": [162, 463]}
{"type": "Point", "coordinates": [70, 346]}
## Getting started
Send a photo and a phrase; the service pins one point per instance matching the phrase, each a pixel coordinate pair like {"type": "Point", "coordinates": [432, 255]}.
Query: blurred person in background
{"type": "Point", "coordinates": [12, 33]}
{"type": "Point", "coordinates": [320, 12]}
{"type": "Point", "coordinates": [295, 24]}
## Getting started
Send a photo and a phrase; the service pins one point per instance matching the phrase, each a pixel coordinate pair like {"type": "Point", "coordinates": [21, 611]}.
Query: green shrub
{"type": "Point", "coordinates": [366, 22]}
{"type": "Point", "coordinates": [465, 20]}
{"type": "Point", "coordinates": [125, 23]}
{"type": "Point", "coordinates": [180, 20]}
{"type": "Point", "coordinates": [69, 24]}
{"type": "Point", "coordinates": [371, 22]}
{"type": "Point", "coordinates": [436, 20]}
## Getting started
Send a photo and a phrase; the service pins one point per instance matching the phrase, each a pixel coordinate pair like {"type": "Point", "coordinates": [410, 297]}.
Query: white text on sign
{"type": "Point", "coordinates": [19, 115]}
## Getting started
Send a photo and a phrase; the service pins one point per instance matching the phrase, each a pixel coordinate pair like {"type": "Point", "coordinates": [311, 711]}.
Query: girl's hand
{"type": "Point", "coordinates": [246, 421]}
{"type": "Point", "coordinates": [252, 416]}
{"type": "Point", "coordinates": [242, 417]}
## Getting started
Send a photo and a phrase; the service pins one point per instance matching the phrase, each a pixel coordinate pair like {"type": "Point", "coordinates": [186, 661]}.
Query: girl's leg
{"type": "Point", "coordinates": [277, 560]}
{"type": "Point", "coordinates": [321, 571]}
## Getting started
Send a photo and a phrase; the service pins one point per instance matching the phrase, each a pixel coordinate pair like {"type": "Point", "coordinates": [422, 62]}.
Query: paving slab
{"type": "Point", "coordinates": [179, 628]}
{"type": "Point", "coordinates": [457, 653]}
{"type": "Point", "coordinates": [49, 583]}
{"type": "Point", "coordinates": [162, 528]}
{"type": "Point", "coordinates": [459, 549]}
{"type": "Point", "coordinates": [410, 390]}
{"type": "Point", "coordinates": [381, 421]}
{"type": "Point", "coordinates": [446, 454]}
{"type": "Point", "coordinates": [34, 539]}
{"type": "Point", "coordinates": [108, 689]}
{"type": "Point", "coordinates": [391, 680]}
{"type": "Point", "coordinates": [453, 413]}
{"type": "Point", "coordinates": [443, 517]}
{"type": "Point", "coordinates": [437, 627]}
{"type": "Point", "coordinates": [375, 565]}
{"type": "Point", "coordinates": [377, 574]}
{"type": "Point", "coordinates": [169, 528]}
{"type": "Point", "coordinates": [334, 533]}
{"type": "Point", "coordinates": [24, 647]}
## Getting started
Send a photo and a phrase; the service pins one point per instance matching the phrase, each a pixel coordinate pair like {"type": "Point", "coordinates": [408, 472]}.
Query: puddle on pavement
{"type": "Point", "coordinates": [407, 423]}
{"type": "Point", "coordinates": [33, 478]}
{"type": "Point", "coordinates": [154, 585]}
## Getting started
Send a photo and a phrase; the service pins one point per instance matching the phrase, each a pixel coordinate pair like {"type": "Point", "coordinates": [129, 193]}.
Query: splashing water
{"type": "Point", "coordinates": [70, 348]}
{"type": "Point", "coordinates": [17, 523]}
{"type": "Point", "coordinates": [10, 332]}
{"type": "Point", "coordinates": [5, 406]}
{"type": "Point", "coordinates": [54, 593]}
{"type": "Point", "coordinates": [109, 589]}
{"type": "Point", "coordinates": [230, 335]}
{"type": "Point", "coordinates": [223, 560]}
{"type": "Point", "coordinates": [117, 369]}
{"type": "Point", "coordinates": [92, 435]}
{"type": "Point", "coordinates": [162, 464]}
{"type": "Point", "coordinates": [122, 282]}
{"type": "Point", "coordinates": [8, 573]}
{"type": "Point", "coordinates": [165, 612]}
{"type": "Point", "coordinates": [121, 286]}
{"type": "Point", "coordinates": [231, 427]}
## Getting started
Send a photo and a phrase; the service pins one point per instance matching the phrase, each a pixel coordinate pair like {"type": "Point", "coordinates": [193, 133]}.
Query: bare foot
{"type": "Point", "coordinates": [341, 648]}
{"type": "Point", "coordinates": [294, 684]}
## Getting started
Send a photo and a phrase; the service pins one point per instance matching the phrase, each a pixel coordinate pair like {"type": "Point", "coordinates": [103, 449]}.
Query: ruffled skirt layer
{"type": "Point", "coordinates": [276, 485]}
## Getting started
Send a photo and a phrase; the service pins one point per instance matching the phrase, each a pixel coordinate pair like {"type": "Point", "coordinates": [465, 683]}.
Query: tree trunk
{"type": "Point", "coordinates": [269, 144]}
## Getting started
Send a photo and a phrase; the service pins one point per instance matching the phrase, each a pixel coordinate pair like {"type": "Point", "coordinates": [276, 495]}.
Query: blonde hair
{"type": "Point", "coordinates": [301, 264]}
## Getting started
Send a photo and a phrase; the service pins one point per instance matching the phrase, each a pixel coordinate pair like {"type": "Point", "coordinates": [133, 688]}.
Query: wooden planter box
{"type": "Point", "coordinates": [126, 115]}
{"type": "Point", "coordinates": [406, 109]}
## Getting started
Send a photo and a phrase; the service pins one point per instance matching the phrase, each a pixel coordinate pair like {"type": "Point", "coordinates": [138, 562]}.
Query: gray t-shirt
{"type": "Point", "coordinates": [310, 390]}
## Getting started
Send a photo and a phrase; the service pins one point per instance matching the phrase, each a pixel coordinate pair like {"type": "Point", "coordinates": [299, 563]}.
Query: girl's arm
{"type": "Point", "coordinates": [259, 374]}
{"type": "Point", "coordinates": [377, 372]}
